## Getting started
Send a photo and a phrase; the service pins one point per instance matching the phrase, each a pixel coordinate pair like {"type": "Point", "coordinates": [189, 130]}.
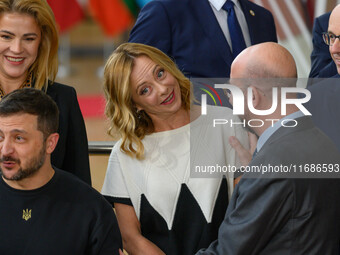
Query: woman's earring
{"type": "Point", "coordinates": [139, 115]}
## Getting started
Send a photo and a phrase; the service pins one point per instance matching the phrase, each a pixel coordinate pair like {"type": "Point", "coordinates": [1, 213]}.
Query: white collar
{"type": "Point", "coordinates": [219, 3]}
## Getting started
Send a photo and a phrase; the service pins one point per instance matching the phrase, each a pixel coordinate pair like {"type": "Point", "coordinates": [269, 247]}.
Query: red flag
{"type": "Point", "coordinates": [67, 13]}
{"type": "Point", "coordinates": [113, 15]}
{"type": "Point", "coordinates": [310, 10]}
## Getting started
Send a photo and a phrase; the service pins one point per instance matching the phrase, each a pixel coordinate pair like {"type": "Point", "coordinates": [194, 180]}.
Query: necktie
{"type": "Point", "coordinates": [237, 40]}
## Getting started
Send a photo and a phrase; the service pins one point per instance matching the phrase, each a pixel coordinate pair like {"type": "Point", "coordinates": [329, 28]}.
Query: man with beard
{"type": "Point", "coordinates": [45, 210]}
{"type": "Point", "coordinates": [273, 212]}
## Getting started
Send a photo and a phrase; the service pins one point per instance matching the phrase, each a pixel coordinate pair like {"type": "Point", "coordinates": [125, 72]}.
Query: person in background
{"type": "Point", "coordinates": [28, 58]}
{"type": "Point", "coordinates": [325, 96]}
{"type": "Point", "coordinates": [45, 210]}
{"type": "Point", "coordinates": [322, 63]}
{"type": "Point", "coordinates": [160, 208]}
{"type": "Point", "coordinates": [203, 36]}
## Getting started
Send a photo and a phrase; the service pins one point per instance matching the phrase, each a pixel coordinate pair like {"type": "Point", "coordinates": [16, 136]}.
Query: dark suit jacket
{"type": "Point", "coordinates": [324, 106]}
{"type": "Point", "coordinates": [268, 215]}
{"type": "Point", "coordinates": [322, 62]}
{"type": "Point", "coordinates": [188, 32]}
{"type": "Point", "coordinates": [71, 153]}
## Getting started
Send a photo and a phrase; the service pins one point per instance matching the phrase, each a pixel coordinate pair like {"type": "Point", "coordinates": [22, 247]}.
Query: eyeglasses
{"type": "Point", "coordinates": [329, 38]}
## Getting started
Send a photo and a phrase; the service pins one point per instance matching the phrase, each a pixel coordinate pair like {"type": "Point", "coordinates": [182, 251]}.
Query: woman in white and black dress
{"type": "Point", "coordinates": [160, 208]}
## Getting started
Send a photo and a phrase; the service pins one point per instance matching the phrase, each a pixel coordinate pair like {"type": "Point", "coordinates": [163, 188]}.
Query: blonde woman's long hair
{"type": "Point", "coordinates": [120, 109]}
{"type": "Point", "coordinates": [45, 67]}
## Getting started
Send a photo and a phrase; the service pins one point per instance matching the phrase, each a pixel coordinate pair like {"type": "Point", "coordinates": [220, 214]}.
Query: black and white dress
{"type": "Point", "coordinates": [178, 213]}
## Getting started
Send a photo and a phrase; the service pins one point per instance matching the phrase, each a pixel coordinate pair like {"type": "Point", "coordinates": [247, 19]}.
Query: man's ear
{"type": "Point", "coordinates": [51, 142]}
{"type": "Point", "coordinates": [256, 96]}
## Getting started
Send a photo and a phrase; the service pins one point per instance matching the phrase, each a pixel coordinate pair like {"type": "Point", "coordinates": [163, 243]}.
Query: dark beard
{"type": "Point", "coordinates": [33, 166]}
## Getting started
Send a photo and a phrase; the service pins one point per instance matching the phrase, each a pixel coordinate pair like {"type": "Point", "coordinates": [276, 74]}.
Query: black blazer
{"type": "Point", "coordinates": [71, 153]}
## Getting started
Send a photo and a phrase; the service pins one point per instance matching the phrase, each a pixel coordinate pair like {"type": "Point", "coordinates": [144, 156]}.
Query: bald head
{"type": "Point", "coordinates": [258, 71]}
{"type": "Point", "coordinates": [265, 60]}
{"type": "Point", "coordinates": [335, 16]}
{"type": "Point", "coordinates": [334, 28]}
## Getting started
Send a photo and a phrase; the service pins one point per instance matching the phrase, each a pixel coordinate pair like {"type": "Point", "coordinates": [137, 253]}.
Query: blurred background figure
{"type": "Point", "coordinates": [322, 63]}
{"type": "Point", "coordinates": [202, 45]}
{"type": "Point", "coordinates": [29, 47]}
{"type": "Point", "coordinates": [325, 95]}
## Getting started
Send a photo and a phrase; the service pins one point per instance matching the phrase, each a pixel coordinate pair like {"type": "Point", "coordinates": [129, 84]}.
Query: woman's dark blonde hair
{"type": "Point", "coordinates": [120, 109]}
{"type": "Point", "coordinates": [45, 67]}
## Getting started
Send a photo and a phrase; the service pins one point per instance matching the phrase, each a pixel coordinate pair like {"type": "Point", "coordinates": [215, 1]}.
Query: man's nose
{"type": "Point", "coordinates": [335, 48]}
{"type": "Point", "coordinates": [6, 148]}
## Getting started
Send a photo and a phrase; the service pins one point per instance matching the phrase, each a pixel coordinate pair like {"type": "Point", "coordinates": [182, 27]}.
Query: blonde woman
{"type": "Point", "coordinates": [160, 208]}
{"type": "Point", "coordinates": [28, 58]}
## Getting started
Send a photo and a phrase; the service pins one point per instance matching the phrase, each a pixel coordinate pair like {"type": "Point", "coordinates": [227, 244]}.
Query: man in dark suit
{"type": "Point", "coordinates": [276, 212]}
{"type": "Point", "coordinates": [322, 63]}
{"type": "Point", "coordinates": [325, 96]}
{"type": "Point", "coordinates": [196, 35]}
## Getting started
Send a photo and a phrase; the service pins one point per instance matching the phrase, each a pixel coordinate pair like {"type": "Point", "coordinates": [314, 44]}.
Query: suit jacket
{"type": "Point", "coordinates": [322, 62]}
{"type": "Point", "coordinates": [188, 32]}
{"type": "Point", "coordinates": [324, 106]}
{"type": "Point", "coordinates": [71, 153]}
{"type": "Point", "coordinates": [269, 215]}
